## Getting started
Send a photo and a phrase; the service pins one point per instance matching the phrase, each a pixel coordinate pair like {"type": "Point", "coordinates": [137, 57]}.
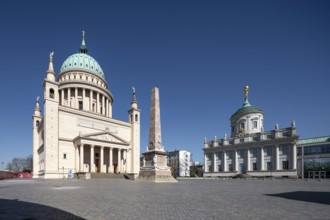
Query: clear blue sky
{"type": "Point", "coordinates": [199, 53]}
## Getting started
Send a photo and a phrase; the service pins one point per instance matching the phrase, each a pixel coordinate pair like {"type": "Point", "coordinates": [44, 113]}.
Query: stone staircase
{"type": "Point", "coordinates": [242, 176]}
{"type": "Point", "coordinates": [110, 176]}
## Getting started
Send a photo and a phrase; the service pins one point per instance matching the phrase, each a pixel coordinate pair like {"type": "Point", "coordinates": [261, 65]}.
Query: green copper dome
{"type": "Point", "coordinates": [247, 108]}
{"type": "Point", "coordinates": [82, 61]}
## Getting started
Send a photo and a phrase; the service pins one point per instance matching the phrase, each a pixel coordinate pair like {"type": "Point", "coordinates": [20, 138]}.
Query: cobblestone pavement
{"type": "Point", "coordinates": [187, 199]}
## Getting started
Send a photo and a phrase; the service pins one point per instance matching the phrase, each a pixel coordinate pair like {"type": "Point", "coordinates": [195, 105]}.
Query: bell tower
{"type": "Point", "coordinates": [134, 119]}
{"type": "Point", "coordinates": [36, 120]}
{"type": "Point", "coordinates": [51, 103]}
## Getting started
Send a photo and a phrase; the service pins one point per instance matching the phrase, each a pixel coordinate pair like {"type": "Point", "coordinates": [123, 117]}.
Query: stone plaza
{"type": "Point", "coordinates": [186, 199]}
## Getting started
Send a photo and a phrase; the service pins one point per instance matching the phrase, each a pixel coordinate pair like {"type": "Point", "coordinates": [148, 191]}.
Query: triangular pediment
{"type": "Point", "coordinates": [105, 137]}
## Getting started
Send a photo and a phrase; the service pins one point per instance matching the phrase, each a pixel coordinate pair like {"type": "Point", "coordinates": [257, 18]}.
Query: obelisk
{"type": "Point", "coordinates": [155, 135]}
{"type": "Point", "coordinates": [154, 166]}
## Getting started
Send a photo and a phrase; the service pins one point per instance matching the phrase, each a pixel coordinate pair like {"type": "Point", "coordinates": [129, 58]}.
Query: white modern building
{"type": "Point", "coordinates": [76, 133]}
{"type": "Point", "coordinates": [251, 150]}
{"type": "Point", "coordinates": [180, 162]}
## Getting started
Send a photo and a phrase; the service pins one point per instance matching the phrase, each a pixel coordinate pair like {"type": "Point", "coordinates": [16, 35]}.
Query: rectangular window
{"type": "Point", "coordinates": [254, 152]}
{"type": "Point", "coordinates": [230, 154]}
{"type": "Point", "coordinates": [230, 167]}
{"type": "Point", "coordinates": [64, 156]}
{"type": "Point", "coordinates": [269, 151]}
{"type": "Point", "coordinates": [269, 166]}
{"type": "Point", "coordinates": [219, 155]}
{"type": "Point", "coordinates": [219, 168]}
{"type": "Point", "coordinates": [285, 165]}
{"type": "Point", "coordinates": [284, 149]}
{"type": "Point", "coordinates": [299, 150]}
{"type": "Point", "coordinates": [242, 125]}
{"type": "Point", "coordinates": [254, 165]}
{"type": "Point", "coordinates": [80, 105]}
{"type": "Point", "coordinates": [255, 124]}
{"type": "Point", "coordinates": [210, 168]}
{"type": "Point", "coordinates": [242, 154]}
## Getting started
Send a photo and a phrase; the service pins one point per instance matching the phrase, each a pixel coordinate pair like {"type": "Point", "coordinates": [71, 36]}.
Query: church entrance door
{"type": "Point", "coordinates": [97, 169]}
{"type": "Point", "coordinates": [115, 168]}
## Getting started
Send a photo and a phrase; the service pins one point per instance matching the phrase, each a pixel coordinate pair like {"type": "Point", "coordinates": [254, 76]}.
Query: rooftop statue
{"type": "Point", "coordinates": [51, 56]}
{"type": "Point", "coordinates": [246, 90]}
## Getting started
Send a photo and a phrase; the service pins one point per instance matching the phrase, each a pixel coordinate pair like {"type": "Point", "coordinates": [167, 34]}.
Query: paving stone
{"type": "Point", "coordinates": [187, 199]}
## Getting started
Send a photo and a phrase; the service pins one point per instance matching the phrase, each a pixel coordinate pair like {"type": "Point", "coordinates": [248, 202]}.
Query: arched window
{"type": "Point", "coordinates": [37, 123]}
{"type": "Point", "coordinates": [136, 118]}
{"type": "Point", "coordinates": [131, 118]}
{"type": "Point", "coordinates": [51, 93]}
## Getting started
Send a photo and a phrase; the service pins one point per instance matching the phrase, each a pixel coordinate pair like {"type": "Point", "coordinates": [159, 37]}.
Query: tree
{"type": "Point", "coordinates": [19, 164]}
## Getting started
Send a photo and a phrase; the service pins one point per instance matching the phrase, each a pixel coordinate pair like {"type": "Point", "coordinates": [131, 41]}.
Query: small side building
{"type": "Point", "coordinates": [179, 161]}
{"type": "Point", "coordinates": [251, 150]}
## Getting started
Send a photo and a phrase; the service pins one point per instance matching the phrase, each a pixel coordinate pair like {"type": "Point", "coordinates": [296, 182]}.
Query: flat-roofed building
{"type": "Point", "coordinates": [314, 157]}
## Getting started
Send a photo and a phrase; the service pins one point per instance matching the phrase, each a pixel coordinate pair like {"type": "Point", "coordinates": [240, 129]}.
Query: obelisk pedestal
{"type": "Point", "coordinates": [154, 166]}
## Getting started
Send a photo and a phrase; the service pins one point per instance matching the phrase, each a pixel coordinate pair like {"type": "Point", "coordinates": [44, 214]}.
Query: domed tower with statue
{"type": "Point", "coordinates": [248, 119]}
{"type": "Point", "coordinates": [77, 134]}
{"type": "Point", "coordinates": [250, 150]}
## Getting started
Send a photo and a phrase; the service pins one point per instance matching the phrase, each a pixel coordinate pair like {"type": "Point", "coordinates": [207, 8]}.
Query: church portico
{"type": "Point", "coordinates": [99, 159]}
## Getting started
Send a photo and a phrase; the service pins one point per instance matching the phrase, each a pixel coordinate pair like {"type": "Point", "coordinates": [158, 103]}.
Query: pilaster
{"type": "Point", "coordinates": [224, 161]}
{"type": "Point", "coordinates": [277, 157]}
{"type": "Point", "coordinates": [248, 160]}
{"type": "Point", "coordinates": [294, 156]}
{"type": "Point", "coordinates": [206, 167]}
{"type": "Point", "coordinates": [214, 162]}
{"type": "Point", "coordinates": [236, 161]}
{"type": "Point", "coordinates": [262, 167]}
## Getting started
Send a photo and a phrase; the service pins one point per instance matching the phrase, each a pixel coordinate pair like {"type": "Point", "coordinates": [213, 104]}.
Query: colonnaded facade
{"type": "Point", "coordinates": [251, 150]}
{"type": "Point", "coordinates": [77, 132]}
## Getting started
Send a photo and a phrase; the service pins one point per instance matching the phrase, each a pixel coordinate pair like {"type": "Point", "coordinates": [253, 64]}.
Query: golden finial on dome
{"type": "Point", "coordinates": [246, 90]}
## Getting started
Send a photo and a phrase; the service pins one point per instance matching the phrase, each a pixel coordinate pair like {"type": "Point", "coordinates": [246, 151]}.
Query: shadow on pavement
{"type": "Point", "coordinates": [15, 209]}
{"type": "Point", "coordinates": [306, 196]}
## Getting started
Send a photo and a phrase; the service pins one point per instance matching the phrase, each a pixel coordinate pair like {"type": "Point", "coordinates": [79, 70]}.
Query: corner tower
{"type": "Point", "coordinates": [134, 119]}
{"type": "Point", "coordinates": [36, 120]}
{"type": "Point", "coordinates": [51, 102]}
